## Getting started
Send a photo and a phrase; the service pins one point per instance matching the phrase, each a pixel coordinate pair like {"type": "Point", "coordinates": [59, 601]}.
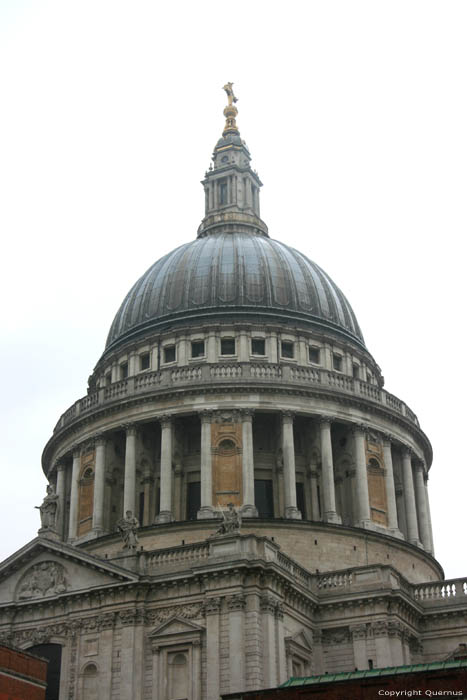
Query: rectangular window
{"type": "Point", "coordinates": [193, 501]}
{"type": "Point", "coordinates": [144, 361]}
{"type": "Point", "coordinates": [314, 354]}
{"type": "Point", "coordinates": [124, 370]}
{"type": "Point", "coordinates": [301, 499]}
{"type": "Point", "coordinates": [197, 348]}
{"type": "Point", "coordinates": [169, 353]}
{"type": "Point", "coordinates": [108, 379]}
{"type": "Point", "coordinates": [141, 507]}
{"type": "Point", "coordinates": [223, 193]}
{"type": "Point", "coordinates": [355, 371]}
{"type": "Point", "coordinates": [258, 346]}
{"type": "Point", "coordinates": [264, 500]}
{"type": "Point", "coordinates": [227, 346]}
{"type": "Point", "coordinates": [337, 362]}
{"type": "Point", "coordinates": [287, 349]}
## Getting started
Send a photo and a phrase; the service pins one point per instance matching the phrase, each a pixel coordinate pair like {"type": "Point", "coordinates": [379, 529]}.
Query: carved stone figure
{"type": "Point", "coordinates": [231, 522]}
{"type": "Point", "coordinates": [49, 509]}
{"type": "Point", "coordinates": [127, 528]}
{"type": "Point", "coordinates": [46, 578]}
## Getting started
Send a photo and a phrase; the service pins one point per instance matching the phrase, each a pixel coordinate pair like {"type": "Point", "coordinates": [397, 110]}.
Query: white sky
{"type": "Point", "coordinates": [355, 114]}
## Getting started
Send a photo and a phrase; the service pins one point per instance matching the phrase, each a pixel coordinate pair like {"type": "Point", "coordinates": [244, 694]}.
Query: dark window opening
{"type": "Point", "coordinates": [193, 501]}
{"type": "Point", "coordinates": [337, 362]}
{"type": "Point", "coordinates": [223, 193]}
{"type": "Point", "coordinates": [314, 355]}
{"type": "Point", "coordinates": [141, 507]}
{"type": "Point", "coordinates": [124, 370]}
{"type": "Point", "coordinates": [370, 664]}
{"type": "Point", "coordinates": [108, 379]}
{"type": "Point", "coordinates": [258, 346]}
{"type": "Point", "coordinates": [264, 500]}
{"type": "Point", "coordinates": [169, 353]}
{"type": "Point", "coordinates": [287, 349]}
{"type": "Point", "coordinates": [300, 489]}
{"type": "Point", "coordinates": [53, 654]}
{"type": "Point", "coordinates": [355, 371]}
{"type": "Point", "coordinates": [144, 361]}
{"type": "Point", "coordinates": [227, 346]}
{"type": "Point", "coordinates": [197, 348]}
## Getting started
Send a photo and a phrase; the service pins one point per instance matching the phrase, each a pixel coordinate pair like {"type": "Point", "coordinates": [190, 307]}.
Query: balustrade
{"type": "Point", "coordinates": [178, 376]}
{"type": "Point", "coordinates": [441, 591]}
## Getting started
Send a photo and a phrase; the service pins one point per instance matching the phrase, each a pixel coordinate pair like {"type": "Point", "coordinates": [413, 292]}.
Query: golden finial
{"type": "Point", "coordinates": [230, 112]}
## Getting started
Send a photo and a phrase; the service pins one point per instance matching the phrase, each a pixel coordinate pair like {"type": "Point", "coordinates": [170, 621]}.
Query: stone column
{"type": "Point", "coordinates": [236, 606]}
{"type": "Point", "coordinates": [420, 497]}
{"type": "Point", "coordinates": [129, 486]}
{"type": "Point", "coordinates": [358, 633]}
{"type": "Point", "coordinates": [99, 487]}
{"type": "Point", "coordinates": [268, 606]}
{"type": "Point", "coordinates": [178, 485]}
{"type": "Point", "coordinates": [61, 499]}
{"type": "Point", "coordinates": [74, 497]}
{"type": "Point", "coordinates": [248, 469]}
{"type": "Point", "coordinates": [280, 636]}
{"type": "Point", "coordinates": [165, 513]}
{"type": "Point", "coordinates": [409, 498]}
{"type": "Point", "coordinates": [212, 609]}
{"type": "Point", "coordinates": [148, 487]}
{"type": "Point", "coordinates": [327, 467]}
{"type": "Point", "coordinates": [429, 514]}
{"type": "Point", "coordinates": [390, 487]}
{"type": "Point", "coordinates": [243, 350]}
{"type": "Point", "coordinates": [288, 451]}
{"type": "Point", "coordinates": [361, 478]}
{"type": "Point", "coordinates": [315, 513]}
{"type": "Point", "coordinates": [206, 510]}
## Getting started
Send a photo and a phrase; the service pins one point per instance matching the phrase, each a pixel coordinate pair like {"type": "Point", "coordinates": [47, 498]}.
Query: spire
{"type": "Point", "coordinates": [231, 187]}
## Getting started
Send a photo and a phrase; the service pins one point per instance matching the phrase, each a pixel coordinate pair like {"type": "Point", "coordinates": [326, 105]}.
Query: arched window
{"type": "Point", "coordinates": [178, 676]}
{"type": "Point", "coordinates": [86, 493]}
{"type": "Point", "coordinates": [377, 492]}
{"type": "Point", "coordinates": [89, 682]}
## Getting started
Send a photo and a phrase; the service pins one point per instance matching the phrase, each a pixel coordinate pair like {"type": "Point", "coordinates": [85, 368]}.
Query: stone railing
{"type": "Point", "coordinates": [181, 554]}
{"type": "Point", "coordinates": [449, 591]}
{"type": "Point", "coordinates": [233, 372]}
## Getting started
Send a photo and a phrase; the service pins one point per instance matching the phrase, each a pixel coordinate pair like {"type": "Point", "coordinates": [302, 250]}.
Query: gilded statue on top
{"type": "Point", "coordinates": [230, 93]}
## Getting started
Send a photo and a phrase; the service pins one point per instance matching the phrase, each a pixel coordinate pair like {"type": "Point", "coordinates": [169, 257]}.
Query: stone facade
{"type": "Point", "coordinates": [235, 373]}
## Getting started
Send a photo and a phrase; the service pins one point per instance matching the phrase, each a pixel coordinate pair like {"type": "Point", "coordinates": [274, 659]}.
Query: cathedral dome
{"type": "Point", "coordinates": [233, 275]}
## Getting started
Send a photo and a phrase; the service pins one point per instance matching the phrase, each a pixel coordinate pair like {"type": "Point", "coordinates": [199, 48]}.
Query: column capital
{"type": "Point", "coordinates": [287, 416]}
{"type": "Point", "coordinates": [387, 439]}
{"type": "Point", "coordinates": [206, 416]}
{"type": "Point", "coordinates": [359, 429]}
{"type": "Point", "coordinates": [325, 420]}
{"type": "Point", "coordinates": [246, 414]}
{"type": "Point", "coordinates": [76, 451]}
{"type": "Point", "coordinates": [59, 466]}
{"type": "Point", "coordinates": [99, 439]}
{"type": "Point", "coordinates": [419, 465]}
{"type": "Point", "coordinates": [130, 428]}
{"type": "Point", "coordinates": [165, 420]}
{"type": "Point", "coordinates": [407, 452]}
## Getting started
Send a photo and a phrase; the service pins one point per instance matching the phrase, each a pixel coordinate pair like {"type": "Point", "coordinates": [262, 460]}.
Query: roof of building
{"type": "Point", "coordinates": [233, 274]}
{"type": "Point", "coordinates": [375, 672]}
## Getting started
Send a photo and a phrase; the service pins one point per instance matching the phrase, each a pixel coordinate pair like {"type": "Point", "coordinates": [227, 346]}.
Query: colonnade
{"type": "Point", "coordinates": [321, 480]}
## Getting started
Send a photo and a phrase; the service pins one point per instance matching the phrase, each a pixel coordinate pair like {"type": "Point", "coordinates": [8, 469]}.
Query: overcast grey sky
{"type": "Point", "coordinates": [355, 114]}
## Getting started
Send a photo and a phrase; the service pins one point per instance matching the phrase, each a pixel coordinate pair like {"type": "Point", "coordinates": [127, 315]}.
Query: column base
{"type": "Point", "coordinates": [292, 513]}
{"type": "Point", "coordinates": [395, 532]}
{"type": "Point", "coordinates": [417, 543]}
{"type": "Point", "coordinates": [208, 513]}
{"type": "Point", "coordinates": [249, 511]}
{"type": "Point", "coordinates": [165, 516]}
{"type": "Point", "coordinates": [332, 517]}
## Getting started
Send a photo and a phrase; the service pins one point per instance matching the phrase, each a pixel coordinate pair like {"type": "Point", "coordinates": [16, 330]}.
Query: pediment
{"type": "Point", "coordinates": [176, 626]}
{"type": "Point", "coordinates": [301, 640]}
{"type": "Point", "coordinates": [45, 569]}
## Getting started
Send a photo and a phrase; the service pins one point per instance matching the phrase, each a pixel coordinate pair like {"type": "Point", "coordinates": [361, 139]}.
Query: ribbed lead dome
{"type": "Point", "coordinates": [233, 275]}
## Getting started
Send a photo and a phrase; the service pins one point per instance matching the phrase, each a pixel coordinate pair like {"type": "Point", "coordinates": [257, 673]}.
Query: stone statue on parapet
{"type": "Point", "coordinates": [127, 528]}
{"type": "Point", "coordinates": [49, 510]}
{"type": "Point", "coordinates": [231, 522]}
